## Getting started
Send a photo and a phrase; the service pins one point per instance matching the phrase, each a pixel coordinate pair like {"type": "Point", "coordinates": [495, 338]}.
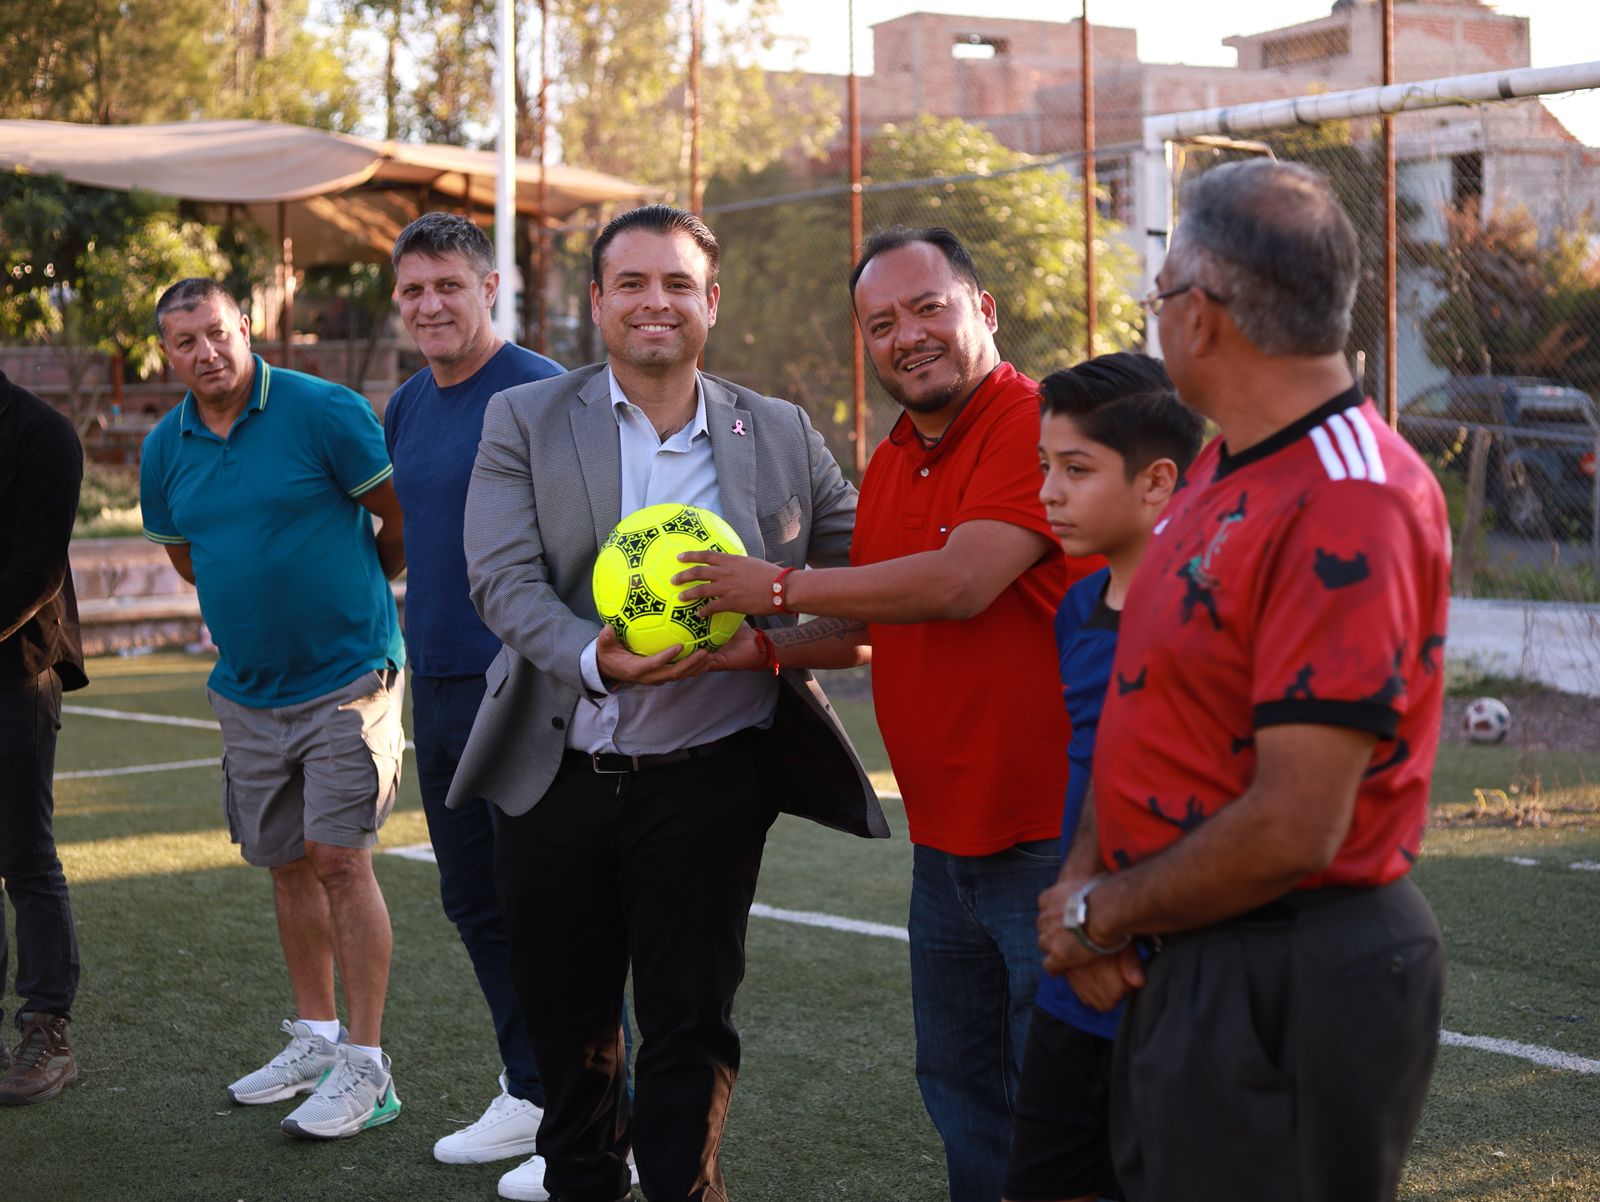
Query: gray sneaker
{"type": "Point", "coordinates": [357, 1094]}
{"type": "Point", "coordinates": [293, 1071]}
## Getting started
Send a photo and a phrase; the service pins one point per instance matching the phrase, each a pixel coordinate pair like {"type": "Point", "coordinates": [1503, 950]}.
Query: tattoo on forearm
{"type": "Point", "coordinates": [816, 630]}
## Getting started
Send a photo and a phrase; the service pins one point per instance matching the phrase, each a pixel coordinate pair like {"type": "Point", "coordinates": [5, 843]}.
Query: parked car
{"type": "Point", "coordinates": [1541, 469]}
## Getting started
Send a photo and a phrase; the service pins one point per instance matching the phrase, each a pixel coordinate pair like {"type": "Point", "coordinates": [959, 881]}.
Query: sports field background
{"type": "Point", "coordinates": [183, 990]}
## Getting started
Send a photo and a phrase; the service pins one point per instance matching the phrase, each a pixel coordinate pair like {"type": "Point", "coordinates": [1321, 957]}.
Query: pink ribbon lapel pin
{"type": "Point", "coordinates": [738, 427]}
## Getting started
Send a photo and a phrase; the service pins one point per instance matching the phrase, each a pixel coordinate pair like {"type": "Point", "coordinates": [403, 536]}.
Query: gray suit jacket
{"type": "Point", "coordinates": [546, 492]}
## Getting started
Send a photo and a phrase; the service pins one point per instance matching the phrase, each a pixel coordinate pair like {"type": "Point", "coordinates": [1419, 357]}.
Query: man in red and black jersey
{"type": "Point", "coordinates": [1261, 778]}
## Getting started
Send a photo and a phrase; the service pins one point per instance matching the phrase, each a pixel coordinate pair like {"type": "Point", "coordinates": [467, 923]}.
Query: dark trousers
{"type": "Point", "coordinates": [657, 868]}
{"type": "Point", "coordinates": [1281, 1057]}
{"type": "Point", "coordinates": [442, 711]}
{"type": "Point", "coordinates": [47, 942]}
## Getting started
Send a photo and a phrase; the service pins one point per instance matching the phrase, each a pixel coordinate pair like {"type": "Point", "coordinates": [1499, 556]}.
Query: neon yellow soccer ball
{"type": "Point", "coordinates": [633, 589]}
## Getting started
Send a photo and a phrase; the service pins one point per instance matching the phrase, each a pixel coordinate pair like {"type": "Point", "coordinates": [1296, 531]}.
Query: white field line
{"type": "Point", "coordinates": [1548, 1057]}
{"type": "Point", "coordinates": [89, 711]}
{"type": "Point", "coordinates": [169, 766]}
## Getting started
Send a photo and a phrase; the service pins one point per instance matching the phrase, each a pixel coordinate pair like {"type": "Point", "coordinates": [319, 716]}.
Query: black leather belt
{"type": "Point", "coordinates": [1275, 915]}
{"type": "Point", "coordinates": [611, 763]}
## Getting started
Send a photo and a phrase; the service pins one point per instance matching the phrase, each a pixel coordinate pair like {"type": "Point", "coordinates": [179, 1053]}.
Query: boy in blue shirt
{"type": "Point", "coordinates": [1114, 442]}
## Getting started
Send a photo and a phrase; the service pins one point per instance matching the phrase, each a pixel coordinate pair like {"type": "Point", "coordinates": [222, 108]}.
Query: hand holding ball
{"type": "Point", "coordinates": [633, 589]}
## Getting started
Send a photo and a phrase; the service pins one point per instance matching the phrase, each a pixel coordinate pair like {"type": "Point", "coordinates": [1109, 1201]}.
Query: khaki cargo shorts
{"type": "Point", "coordinates": [326, 770]}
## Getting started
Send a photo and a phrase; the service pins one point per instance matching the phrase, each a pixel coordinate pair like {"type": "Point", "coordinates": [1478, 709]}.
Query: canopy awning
{"type": "Point", "coordinates": [350, 195]}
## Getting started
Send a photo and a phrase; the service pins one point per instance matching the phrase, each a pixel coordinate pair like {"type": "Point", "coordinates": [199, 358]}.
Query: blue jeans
{"type": "Point", "coordinates": [30, 870]}
{"type": "Point", "coordinates": [975, 967]}
{"type": "Point", "coordinates": [442, 712]}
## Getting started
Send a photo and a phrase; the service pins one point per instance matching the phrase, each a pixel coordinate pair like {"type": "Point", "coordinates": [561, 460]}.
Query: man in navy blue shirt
{"type": "Point", "coordinates": [445, 286]}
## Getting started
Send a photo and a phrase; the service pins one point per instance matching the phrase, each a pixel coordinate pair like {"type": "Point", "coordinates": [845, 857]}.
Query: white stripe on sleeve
{"type": "Point", "coordinates": [1369, 445]}
{"type": "Point", "coordinates": [1325, 452]}
{"type": "Point", "coordinates": [1348, 446]}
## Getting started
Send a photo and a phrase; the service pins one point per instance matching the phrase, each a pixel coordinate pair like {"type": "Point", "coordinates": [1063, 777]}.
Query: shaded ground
{"type": "Point", "coordinates": [1541, 719]}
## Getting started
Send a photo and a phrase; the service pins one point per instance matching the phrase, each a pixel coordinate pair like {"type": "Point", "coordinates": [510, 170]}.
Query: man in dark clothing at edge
{"type": "Point", "coordinates": [41, 655]}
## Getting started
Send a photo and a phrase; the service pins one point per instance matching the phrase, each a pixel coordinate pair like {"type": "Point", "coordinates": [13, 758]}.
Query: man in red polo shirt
{"type": "Point", "coordinates": [955, 584]}
{"type": "Point", "coordinates": [1262, 772]}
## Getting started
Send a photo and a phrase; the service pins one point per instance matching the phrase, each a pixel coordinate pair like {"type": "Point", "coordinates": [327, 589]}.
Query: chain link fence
{"type": "Point", "coordinates": [1497, 319]}
{"type": "Point", "coordinates": [1497, 326]}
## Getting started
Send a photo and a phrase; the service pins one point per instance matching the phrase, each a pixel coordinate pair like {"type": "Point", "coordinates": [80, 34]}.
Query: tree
{"type": "Point", "coordinates": [786, 327]}
{"type": "Point", "coordinates": [1515, 303]}
{"type": "Point", "coordinates": [81, 270]}
{"type": "Point", "coordinates": [113, 62]}
{"type": "Point", "coordinates": [1024, 226]}
{"type": "Point", "coordinates": [619, 98]}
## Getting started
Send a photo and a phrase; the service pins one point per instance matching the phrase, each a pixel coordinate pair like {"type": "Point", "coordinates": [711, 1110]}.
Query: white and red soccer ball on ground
{"type": "Point", "coordinates": [1487, 720]}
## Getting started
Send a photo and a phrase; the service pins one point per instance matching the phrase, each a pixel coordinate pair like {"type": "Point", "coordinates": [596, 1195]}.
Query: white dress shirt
{"type": "Point", "coordinates": [647, 719]}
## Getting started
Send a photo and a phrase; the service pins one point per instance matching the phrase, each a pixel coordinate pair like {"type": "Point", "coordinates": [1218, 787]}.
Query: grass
{"type": "Point", "coordinates": [183, 989]}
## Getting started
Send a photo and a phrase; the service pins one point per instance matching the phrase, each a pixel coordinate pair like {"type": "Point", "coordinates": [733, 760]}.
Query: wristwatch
{"type": "Point", "coordinates": [1075, 918]}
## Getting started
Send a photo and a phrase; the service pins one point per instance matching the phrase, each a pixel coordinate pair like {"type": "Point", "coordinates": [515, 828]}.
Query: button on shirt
{"type": "Point", "coordinates": [648, 719]}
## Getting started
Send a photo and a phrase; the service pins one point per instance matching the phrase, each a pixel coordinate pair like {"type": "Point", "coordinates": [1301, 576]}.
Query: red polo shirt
{"type": "Point", "coordinates": [970, 711]}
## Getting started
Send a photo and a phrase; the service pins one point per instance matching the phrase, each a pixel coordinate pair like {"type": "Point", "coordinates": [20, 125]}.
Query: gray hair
{"type": "Point", "coordinates": [188, 295]}
{"type": "Point", "coordinates": [439, 234]}
{"type": "Point", "coordinates": [1274, 241]}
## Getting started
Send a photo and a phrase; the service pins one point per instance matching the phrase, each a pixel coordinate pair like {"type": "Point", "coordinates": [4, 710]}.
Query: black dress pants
{"type": "Point", "coordinates": [1283, 1056]}
{"type": "Point", "coordinates": [47, 942]}
{"type": "Point", "coordinates": [658, 868]}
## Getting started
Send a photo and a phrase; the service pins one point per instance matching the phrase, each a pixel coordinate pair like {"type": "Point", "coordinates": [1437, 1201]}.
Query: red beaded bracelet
{"type": "Point", "coordinates": [779, 600]}
{"type": "Point", "coordinates": [769, 653]}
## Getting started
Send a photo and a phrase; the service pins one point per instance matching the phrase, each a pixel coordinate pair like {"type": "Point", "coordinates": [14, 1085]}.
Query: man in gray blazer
{"type": "Point", "coordinates": [636, 792]}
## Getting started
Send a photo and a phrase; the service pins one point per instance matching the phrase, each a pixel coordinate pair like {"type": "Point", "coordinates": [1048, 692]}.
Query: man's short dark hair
{"type": "Point", "coordinates": [896, 236]}
{"type": "Point", "coordinates": [1273, 239]}
{"type": "Point", "coordinates": [657, 219]}
{"type": "Point", "coordinates": [188, 295]}
{"type": "Point", "coordinates": [439, 234]}
{"type": "Point", "coordinates": [1125, 401]}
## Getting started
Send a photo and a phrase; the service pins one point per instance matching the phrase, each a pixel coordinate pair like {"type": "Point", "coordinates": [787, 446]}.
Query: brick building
{"type": "Point", "coordinates": [1023, 81]}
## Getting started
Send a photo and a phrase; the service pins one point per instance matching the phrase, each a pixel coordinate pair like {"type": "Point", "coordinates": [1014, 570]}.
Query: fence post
{"type": "Point", "coordinates": [1470, 540]}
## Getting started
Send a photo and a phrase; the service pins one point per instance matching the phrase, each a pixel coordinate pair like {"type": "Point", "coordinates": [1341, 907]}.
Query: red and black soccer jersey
{"type": "Point", "coordinates": [1304, 580]}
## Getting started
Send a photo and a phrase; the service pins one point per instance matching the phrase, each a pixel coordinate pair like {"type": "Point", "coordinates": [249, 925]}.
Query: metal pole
{"type": "Point", "coordinates": [1154, 218]}
{"type": "Point", "coordinates": [696, 17]}
{"type": "Point", "coordinates": [286, 256]}
{"type": "Point", "coordinates": [858, 366]}
{"type": "Point", "coordinates": [505, 234]}
{"type": "Point", "coordinates": [541, 260]}
{"type": "Point", "coordinates": [1090, 296]}
{"type": "Point", "coordinates": [1391, 337]}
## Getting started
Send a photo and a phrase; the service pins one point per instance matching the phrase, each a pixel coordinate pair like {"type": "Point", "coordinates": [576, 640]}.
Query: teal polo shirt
{"type": "Point", "coordinates": [284, 555]}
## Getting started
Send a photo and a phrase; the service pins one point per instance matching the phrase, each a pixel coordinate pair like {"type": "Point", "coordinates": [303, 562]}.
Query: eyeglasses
{"type": "Point", "coordinates": [1152, 303]}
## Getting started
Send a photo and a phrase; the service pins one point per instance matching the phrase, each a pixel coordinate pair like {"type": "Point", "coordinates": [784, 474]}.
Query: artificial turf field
{"type": "Point", "coordinates": [183, 989]}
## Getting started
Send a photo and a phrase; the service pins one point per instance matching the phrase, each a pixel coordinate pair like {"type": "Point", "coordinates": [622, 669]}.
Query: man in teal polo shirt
{"type": "Point", "coordinates": [260, 486]}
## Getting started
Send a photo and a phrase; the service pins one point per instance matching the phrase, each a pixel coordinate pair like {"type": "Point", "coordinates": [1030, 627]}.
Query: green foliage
{"type": "Point", "coordinates": [785, 325]}
{"type": "Point", "coordinates": [81, 270]}
{"type": "Point", "coordinates": [619, 103]}
{"type": "Point", "coordinates": [1573, 582]}
{"type": "Point", "coordinates": [1516, 303]}
{"type": "Point", "coordinates": [135, 61]}
{"type": "Point", "coordinates": [1024, 227]}
{"type": "Point", "coordinates": [106, 488]}
{"type": "Point", "coordinates": [103, 62]}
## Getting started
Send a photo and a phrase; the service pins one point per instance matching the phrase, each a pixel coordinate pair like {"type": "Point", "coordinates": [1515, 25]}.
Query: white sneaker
{"type": "Point", "coordinates": [295, 1070]}
{"type": "Point", "coordinates": [357, 1094]}
{"type": "Point", "coordinates": [525, 1183]}
{"type": "Point", "coordinates": [509, 1127]}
